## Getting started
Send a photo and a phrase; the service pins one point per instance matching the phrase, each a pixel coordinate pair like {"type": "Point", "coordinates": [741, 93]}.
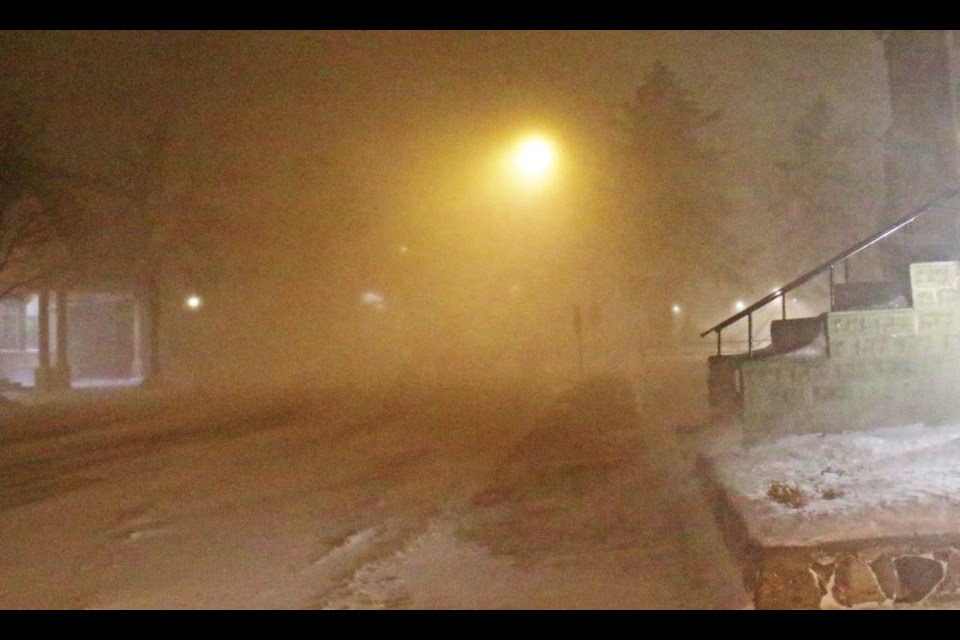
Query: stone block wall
{"type": "Point", "coordinates": [875, 574]}
{"type": "Point", "coordinates": [885, 368]}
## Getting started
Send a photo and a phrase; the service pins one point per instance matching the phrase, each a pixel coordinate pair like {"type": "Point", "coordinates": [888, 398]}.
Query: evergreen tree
{"type": "Point", "coordinates": [824, 189]}
{"type": "Point", "coordinates": [809, 181]}
{"type": "Point", "coordinates": [671, 202]}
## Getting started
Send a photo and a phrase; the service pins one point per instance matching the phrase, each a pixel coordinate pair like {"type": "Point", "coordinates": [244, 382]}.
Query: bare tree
{"type": "Point", "coordinates": [33, 199]}
{"type": "Point", "coordinates": [164, 233]}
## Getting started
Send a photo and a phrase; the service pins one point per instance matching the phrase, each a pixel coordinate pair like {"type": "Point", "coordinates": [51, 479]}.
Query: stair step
{"type": "Point", "coordinates": [867, 296]}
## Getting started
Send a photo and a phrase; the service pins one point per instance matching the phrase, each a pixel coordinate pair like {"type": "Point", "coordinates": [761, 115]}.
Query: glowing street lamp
{"type": "Point", "coordinates": [535, 156]}
{"type": "Point", "coordinates": [193, 302]}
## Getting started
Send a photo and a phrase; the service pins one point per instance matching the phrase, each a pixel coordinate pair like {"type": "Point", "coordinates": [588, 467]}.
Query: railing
{"type": "Point", "coordinates": [813, 273]}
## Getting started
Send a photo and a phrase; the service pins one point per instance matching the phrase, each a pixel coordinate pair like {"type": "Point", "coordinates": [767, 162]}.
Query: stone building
{"type": "Point", "coordinates": [888, 350]}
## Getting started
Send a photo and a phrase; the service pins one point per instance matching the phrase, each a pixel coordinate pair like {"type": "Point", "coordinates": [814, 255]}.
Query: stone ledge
{"type": "Point", "coordinates": [881, 573]}
{"type": "Point", "coordinates": [893, 572]}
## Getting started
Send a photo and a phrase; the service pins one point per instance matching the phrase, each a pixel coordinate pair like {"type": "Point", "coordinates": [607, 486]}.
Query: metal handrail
{"type": "Point", "coordinates": [813, 273]}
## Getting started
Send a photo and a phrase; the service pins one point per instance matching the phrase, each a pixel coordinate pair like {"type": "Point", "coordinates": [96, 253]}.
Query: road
{"type": "Point", "coordinates": [477, 496]}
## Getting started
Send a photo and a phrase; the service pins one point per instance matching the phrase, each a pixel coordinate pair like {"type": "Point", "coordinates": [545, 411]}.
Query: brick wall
{"type": "Point", "coordinates": [885, 368]}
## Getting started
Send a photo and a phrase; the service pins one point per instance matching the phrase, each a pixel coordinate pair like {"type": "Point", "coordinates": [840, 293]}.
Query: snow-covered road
{"type": "Point", "coordinates": [463, 497]}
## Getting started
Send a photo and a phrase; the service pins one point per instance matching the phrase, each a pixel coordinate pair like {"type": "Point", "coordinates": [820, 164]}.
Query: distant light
{"type": "Point", "coordinates": [739, 305]}
{"type": "Point", "coordinates": [676, 309]}
{"type": "Point", "coordinates": [373, 299]}
{"type": "Point", "coordinates": [403, 249]}
{"type": "Point", "coordinates": [194, 302]}
{"type": "Point", "coordinates": [535, 156]}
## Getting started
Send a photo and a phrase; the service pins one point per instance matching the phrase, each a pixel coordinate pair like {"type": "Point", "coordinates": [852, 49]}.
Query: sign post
{"type": "Point", "coordinates": [578, 331]}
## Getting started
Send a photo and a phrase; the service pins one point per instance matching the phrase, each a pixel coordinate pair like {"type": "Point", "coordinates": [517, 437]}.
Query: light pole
{"type": "Point", "coordinates": [532, 165]}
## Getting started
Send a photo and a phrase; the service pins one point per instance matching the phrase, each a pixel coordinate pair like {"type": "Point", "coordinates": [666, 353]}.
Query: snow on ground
{"type": "Point", "coordinates": [482, 497]}
{"type": "Point", "coordinates": [899, 481]}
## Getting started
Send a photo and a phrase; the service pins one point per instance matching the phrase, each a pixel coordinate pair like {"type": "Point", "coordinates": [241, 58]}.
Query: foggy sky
{"type": "Point", "coordinates": [343, 147]}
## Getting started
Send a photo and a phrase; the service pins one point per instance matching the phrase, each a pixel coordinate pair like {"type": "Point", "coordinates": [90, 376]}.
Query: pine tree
{"type": "Point", "coordinates": [671, 201]}
{"type": "Point", "coordinates": [823, 193]}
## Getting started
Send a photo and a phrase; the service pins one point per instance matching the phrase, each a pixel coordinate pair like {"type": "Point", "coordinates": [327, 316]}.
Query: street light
{"type": "Point", "coordinates": [535, 156]}
{"type": "Point", "coordinates": [532, 162]}
{"type": "Point", "coordinates": [534, 166]}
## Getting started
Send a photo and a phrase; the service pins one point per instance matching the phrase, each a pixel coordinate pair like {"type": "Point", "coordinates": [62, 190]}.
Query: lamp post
{"type": "Point", "coordinates": [533, 164]}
